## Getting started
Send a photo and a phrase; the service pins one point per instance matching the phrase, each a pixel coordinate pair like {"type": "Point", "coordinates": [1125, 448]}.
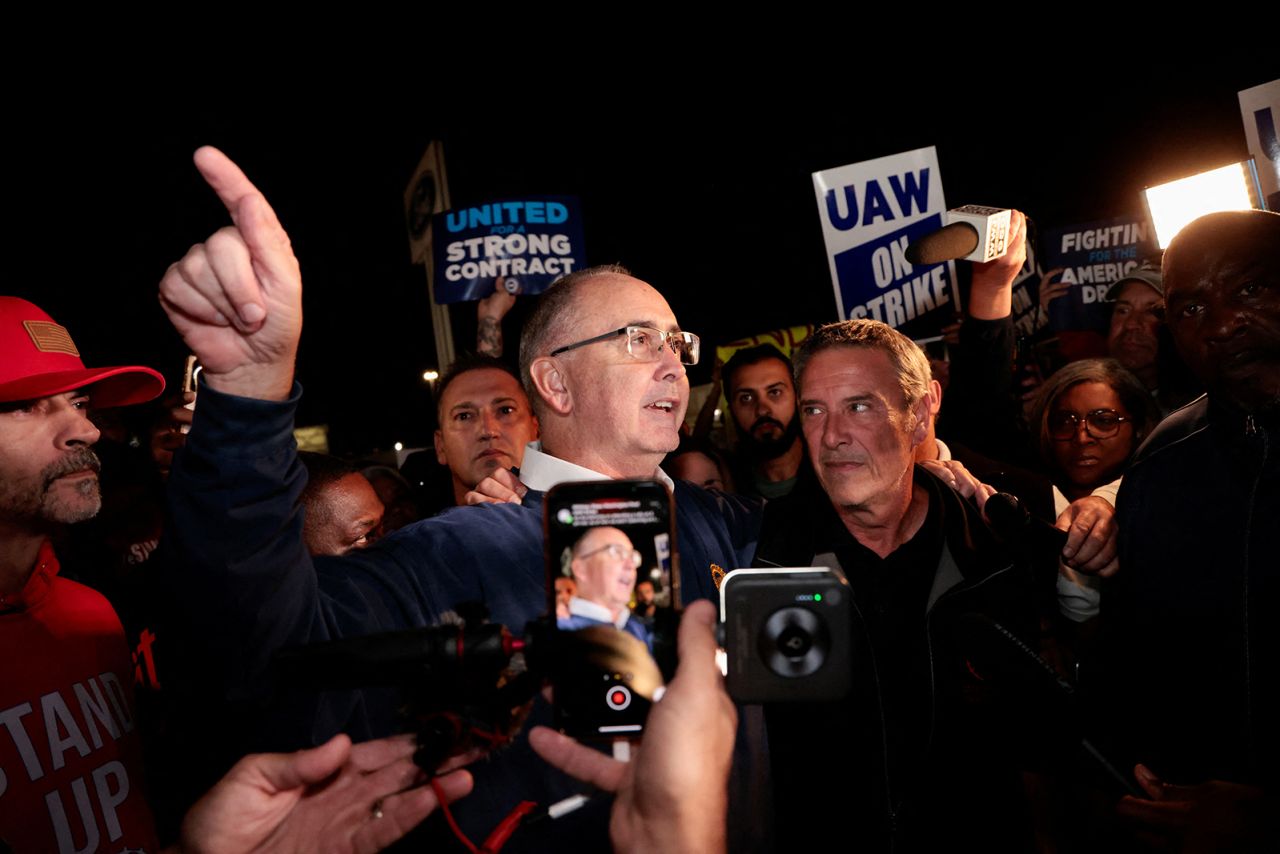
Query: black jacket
{"type": "Point", "coordinates": [924, 752]}
{"type": "Point", "coordinates": [1190, 667]}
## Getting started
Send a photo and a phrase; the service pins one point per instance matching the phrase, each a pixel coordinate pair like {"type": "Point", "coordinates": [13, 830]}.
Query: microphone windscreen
{"type": "Point", "coordinates": [946, 244]}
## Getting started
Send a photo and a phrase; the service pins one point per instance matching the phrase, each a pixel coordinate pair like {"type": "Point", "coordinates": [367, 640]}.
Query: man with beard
{"type": "Point", "coordinates": [762, 401]}
{"type": "Point", "coordinates": [70, 750]}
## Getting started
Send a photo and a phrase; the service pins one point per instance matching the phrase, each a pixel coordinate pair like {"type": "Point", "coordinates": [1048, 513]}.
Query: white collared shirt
{"type": "Point", "coordinates": [541, 471]}
{"type": "Point", "coordinates": [599, 613]}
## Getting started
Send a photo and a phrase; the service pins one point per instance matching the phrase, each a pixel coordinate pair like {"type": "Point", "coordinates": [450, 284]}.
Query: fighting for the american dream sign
{"type": "Point", "coordinates": [870, 213]}
{"type": "Point", "coordinates": [1094, 256]}
{"type": "Point", "coordinates": [528, 242]}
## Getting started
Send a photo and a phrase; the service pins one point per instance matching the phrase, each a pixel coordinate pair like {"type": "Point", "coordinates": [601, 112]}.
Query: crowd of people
{"type": "Point", "coordinates": [1108, 687]}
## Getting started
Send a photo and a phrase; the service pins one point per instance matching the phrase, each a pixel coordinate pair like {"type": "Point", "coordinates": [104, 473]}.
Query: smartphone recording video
{"type": "Point", "coordinates": [613, 587]}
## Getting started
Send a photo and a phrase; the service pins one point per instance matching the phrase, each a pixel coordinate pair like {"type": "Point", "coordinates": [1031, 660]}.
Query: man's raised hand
{"type": "Point", "coordinates": [236, 299]}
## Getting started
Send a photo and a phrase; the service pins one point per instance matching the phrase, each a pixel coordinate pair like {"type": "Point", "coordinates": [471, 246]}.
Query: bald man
{"type": "Point", "coordinates": [1191, 635]}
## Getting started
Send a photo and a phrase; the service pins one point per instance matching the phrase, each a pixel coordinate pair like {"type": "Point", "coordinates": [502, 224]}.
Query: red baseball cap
{"type": "Point", "coordinates": [39, 359]}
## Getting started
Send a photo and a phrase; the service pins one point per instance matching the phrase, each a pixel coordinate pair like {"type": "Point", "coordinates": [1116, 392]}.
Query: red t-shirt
{"type": "Point", "coordinates": [70, 751]}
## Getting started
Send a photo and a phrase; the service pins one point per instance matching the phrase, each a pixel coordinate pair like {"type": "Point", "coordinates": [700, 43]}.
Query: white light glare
{"type": "Point", "coordinates": [1177, 203]}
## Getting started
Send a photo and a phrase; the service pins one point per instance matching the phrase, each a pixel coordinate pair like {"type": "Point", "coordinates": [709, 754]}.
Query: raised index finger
{"type": "Point", "coordinates": [253, 217]}
{"type": "Point", "coordinates": [225, 178]}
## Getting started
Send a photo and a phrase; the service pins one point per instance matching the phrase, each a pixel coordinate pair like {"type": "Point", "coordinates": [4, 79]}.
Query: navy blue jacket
{"type": "Point", "coordinates": [242, 585]}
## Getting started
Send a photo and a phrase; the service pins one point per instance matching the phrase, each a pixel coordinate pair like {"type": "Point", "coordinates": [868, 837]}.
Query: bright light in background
{"type": "Point", "coordinates": [1177, 203]}
{"type": "Point", "coordinates": [430, 376]}
{"type": "Point", "coordinates": [399, 446]}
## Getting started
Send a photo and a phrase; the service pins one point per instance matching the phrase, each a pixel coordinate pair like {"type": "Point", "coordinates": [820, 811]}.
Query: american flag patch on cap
{"type": "Point", "coordinates": [50, 337]}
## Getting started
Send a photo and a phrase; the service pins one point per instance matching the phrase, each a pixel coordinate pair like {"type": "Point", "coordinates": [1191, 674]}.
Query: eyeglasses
{"type": "Point", "coordinates": [1100, 424]}
{"type": "Point", "coordinates": [618, 552]}
{"type": "Point", "coordinates": [645, 343]}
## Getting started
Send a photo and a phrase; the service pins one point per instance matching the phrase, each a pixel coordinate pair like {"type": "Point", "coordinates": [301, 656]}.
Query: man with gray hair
{"type": "Point", "coordinates": [917, 738]}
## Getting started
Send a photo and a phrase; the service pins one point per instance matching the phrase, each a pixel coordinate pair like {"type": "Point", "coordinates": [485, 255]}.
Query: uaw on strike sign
{"type": "Point", "coordinates": [871, 212]}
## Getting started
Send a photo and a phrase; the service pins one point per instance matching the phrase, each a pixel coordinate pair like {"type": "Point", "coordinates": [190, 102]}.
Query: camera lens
{"type": "Point", "coordinates": [794, 642]}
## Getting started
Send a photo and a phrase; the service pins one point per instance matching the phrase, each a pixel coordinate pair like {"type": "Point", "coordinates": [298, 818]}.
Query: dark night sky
{"type": "Point", "coordinates": [704, 191]}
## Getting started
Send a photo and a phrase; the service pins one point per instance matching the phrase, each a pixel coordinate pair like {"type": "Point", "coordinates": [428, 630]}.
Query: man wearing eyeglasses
{"type": "Point", "coordinates": [603, 566]}
{"type": "Point", "coordinates": [603, 360]}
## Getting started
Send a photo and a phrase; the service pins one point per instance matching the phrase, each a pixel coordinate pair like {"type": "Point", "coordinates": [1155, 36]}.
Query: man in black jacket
{"type": "Point", "coordinates": [1190, 628]}
{"type": "Point", "coordinates": [915, 746]}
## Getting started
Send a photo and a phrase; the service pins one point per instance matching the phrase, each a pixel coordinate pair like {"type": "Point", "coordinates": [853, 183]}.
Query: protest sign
{"type": "Point", "coordinates": [1093, 257]}
{"type": "Point", "coordinates": [870, 213]}
{"type": "Point", "coordinates": [1260, 110]}
{"type": "Point", "coordinates": [528, 242]}
{"type": "Point", "coordinates": [786, 340]}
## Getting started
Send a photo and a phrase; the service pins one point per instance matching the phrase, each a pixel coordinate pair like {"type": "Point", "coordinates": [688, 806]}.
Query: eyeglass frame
{"type": "Point", "coordinates": [695, 344]}
{"type": "Point", "coordinates": [1076, 421]}
{"type": "Point", "coordinates": [637, 557]}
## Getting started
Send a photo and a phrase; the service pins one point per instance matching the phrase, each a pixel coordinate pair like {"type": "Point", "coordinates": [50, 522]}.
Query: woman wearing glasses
{"type": "Point", "coordinates": [1089, 419]}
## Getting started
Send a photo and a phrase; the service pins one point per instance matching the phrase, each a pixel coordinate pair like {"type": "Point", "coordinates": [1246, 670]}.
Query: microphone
{"type": "Point", "coordinates": [972, 233]}
{"type": "Point", "coordinates": [413, 655]}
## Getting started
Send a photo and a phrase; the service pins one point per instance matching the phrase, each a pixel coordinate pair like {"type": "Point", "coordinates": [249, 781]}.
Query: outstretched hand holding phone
{"type": "Point", "coordinates": [688, 746]}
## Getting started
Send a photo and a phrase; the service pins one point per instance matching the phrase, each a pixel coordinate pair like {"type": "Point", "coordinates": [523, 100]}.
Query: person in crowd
{"type": "Point", "coordinates": [705, 419]}
{"type": "Point", "coordinates": [698, 462]}
{"type": "Point", "coordinates": [71, 743]}
{"type": "Point", "coordinates": [396, 494]}
{"type": "Point", "coordinates": [69, 670]}
{"type": "Point", "coordinates": [485, 421]}
{"type": "Point", "coordinates": [344, 798]}
{"type": "Point", "coordinates": [981, 379]}
{"type": "Point", "coordinates": [71, 753]}
{"type": "Point", "coordinates": [982, 440]}
{"type": "Point", "coordinates": [1137, 309]}
{"type": "Point", "coordinates": [565, 588]}
{"type": "Point", "coordinates": [489, 314]}
{"type": "Point", "coordinates": [168, 430]}
{"type": "Point", "coordinates": [603, 565]}
{"type": "Point", "coordinates": [1090, 417]}
{"type": "Point", "coordinates": [603, 361]}
{"type": "Point", "coordinates": [342, 509]}
{"type": "Point", "coordinates": [920, 740]}
{"type": "Point", "coordinates": [762, 402]}
{"type": "Point", "coordinates": [646, 602]}
{"type": "Point", "coordinates": [1189, 682]}
{"type": "Point", "coordinates": [673, 795]}
{"type": "Point", "coordinates": [336, 797]}
{"type": "Point", "coordinates": [1067, 579]}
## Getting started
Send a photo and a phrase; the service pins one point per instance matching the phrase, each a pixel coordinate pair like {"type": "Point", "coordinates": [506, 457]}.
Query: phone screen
{"type": "Point", "coordinates": [613, 588]}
